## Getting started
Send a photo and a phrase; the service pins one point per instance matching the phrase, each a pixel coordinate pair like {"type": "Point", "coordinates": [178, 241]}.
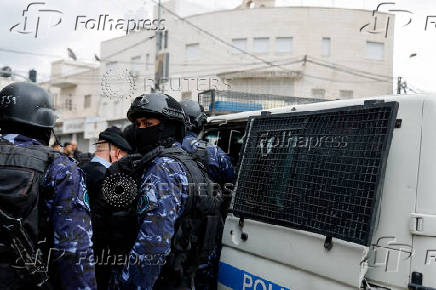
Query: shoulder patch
{"type": "Point", "coordinates": [84, 197]}
{"type": "Point", "coordinates": [143, 204]}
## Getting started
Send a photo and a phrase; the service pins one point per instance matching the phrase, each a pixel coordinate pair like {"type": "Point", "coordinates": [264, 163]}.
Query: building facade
{"type": "Point", "coordinates": [309, 52]}
{"type": "Point", "coordinates": [74, 87]}
{"type": "Point", "coordinates": [306, 52]}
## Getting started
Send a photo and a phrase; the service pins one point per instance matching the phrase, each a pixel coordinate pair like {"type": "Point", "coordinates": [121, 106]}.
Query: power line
{"type": "Point", "coordinates": [129, 62]}
{"type": "Point", "coordinates": [415, 89]}
{"type": "Point", "coordinates": [350, 68]}
{"type": "Point", "coordinates": [343, 81]}
{"type": "Point", "coordinates": [129, 47]}
{"type": "Point", "coordinates": [213, 36]}
{"type": "Point", "coordinates": [13, 73]}
{"type": "Point", "coordinates": [334, 67]}
{"type": "Point", "coordinates": [213, 73]}
{"type": "Point", "coordinates": [29, 53]}
{"type": "Point", "coordinates": [310, 59]}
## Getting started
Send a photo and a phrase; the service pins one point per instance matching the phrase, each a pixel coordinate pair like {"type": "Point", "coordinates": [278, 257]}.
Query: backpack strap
{"type": "Point", "coordinates": [201, 200]}
{"type": "Point", "coordinates": [201, 155]}
{"type": "Point", "coordinates": [22, 169]}
{"type": "Point", "coordinates": [194, 173]}
{"type": "Point", "coordinates": [35, 157]}
{"type": "Point", "coordinates": [197, 230]}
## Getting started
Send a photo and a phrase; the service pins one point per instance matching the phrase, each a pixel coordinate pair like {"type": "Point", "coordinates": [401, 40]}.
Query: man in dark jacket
{"type": "Point", "coordinates": [111, 146]}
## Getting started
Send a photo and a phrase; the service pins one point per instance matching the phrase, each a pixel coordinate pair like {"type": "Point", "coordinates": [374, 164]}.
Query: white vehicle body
{"type": "Point", "coordinates": [404, 239]}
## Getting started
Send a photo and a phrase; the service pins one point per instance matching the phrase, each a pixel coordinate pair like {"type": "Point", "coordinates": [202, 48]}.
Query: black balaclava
{"type": "Point", "coordinates": [40, 134]}
{"type": "Point", "coordinates": [146, 139]}
{"type": "Point", "coordinates": [129, 134]}
{"type": "Point", "coordinates": [163, 134]}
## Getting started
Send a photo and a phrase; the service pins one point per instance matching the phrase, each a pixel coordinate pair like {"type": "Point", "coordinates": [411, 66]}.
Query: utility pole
{"type": "Point", "coordinates": [156, 60]}
{"type": "Point", "coordinates": [399, 85]}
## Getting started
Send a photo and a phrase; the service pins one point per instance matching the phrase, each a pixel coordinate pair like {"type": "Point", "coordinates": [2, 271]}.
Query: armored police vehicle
{"type": "Point", "coordinates": [332, 195]}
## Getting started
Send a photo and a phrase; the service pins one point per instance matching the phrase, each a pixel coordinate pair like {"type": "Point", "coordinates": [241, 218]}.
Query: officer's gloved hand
{"type": "Point", "coordinates": [124, 165]}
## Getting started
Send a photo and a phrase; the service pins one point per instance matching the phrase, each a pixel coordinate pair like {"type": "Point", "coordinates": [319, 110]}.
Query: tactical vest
{"type": "Point", "coordinates": [23, 222]}
{"type": "Point", "coordinates": [196, 232]}
{"type": "Point", "coordinates": [201, 154]}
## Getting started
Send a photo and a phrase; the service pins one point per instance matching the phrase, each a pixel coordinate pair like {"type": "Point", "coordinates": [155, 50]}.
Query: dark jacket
{"type": "Point", "coordinates": [94, 176]}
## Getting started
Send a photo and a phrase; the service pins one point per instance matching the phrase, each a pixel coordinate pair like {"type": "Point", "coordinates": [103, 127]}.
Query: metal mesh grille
{"type": "Point", "coordinates": [215, 101]}
{"type": "Point", "coordinates": [317, 171]}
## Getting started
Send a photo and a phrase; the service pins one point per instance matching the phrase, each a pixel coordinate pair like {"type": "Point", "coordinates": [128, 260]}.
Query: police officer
{"type": "Point", "coordinates": [43, 199]}
{"type": "Point", "coordinates": [168, 242]}
{"type": "Point", "coordinates": [218, 163]}
{"type": "Point", "coordinates": [111, 146]}
{"type": "Point", "coordinates": [158, 121]}
{"type": "Point", "coordinates": [220, 170]}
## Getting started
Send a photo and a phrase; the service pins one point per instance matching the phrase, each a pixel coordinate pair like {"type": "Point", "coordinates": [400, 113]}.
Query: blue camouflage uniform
{"type": "Point", "coordinates": [163, 193]}
{"type": "Point", "coordinates": [220, 170]}
{"type": "Point", "coordinates": [220, 167]}
{"type": "Point", "coordinates": [69, 217]}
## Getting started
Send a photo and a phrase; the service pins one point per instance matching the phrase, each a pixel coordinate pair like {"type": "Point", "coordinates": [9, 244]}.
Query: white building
{"type": "Point", "coordinates": [74, 88]}
{"type": "Point", "coordinates": [292, 51]}
{"type": "Point", "coordinates": [309, 52]}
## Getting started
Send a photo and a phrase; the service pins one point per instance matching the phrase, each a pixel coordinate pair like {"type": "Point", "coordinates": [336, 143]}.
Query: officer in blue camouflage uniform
{"type": "Point", "coordinates": [220, 170]}
{"type": "Point", "coordinates": [219, 165]}
{"type": "Point", "coordinates": [26, 121]}
{"type": "Point", "coordinates": [158, 121]}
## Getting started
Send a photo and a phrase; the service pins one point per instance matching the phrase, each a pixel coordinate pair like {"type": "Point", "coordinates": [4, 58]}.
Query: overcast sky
{"type": "Point", "coordinates": [52, 42]}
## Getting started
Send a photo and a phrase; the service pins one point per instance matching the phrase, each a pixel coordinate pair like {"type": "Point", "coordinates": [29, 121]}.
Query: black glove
{"type": "Point", "coordinates": [124, 165]}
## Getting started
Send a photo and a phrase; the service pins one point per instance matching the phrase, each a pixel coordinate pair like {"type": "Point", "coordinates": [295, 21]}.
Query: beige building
{"type": "Point", "coordinates": [308, 52]}
{"type": "Point", "coordinates": [258, 48]}
{"type": "Point", "coordinates": [74, 87]}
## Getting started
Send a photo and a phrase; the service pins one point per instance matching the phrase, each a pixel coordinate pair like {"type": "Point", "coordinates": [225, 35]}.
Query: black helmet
{"type": "Point", "coordinates": [195, 112]}
{"type": "Point", "coordinates": [161, 106]}
{"type": "Point", "coordinates": [26, 103]}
